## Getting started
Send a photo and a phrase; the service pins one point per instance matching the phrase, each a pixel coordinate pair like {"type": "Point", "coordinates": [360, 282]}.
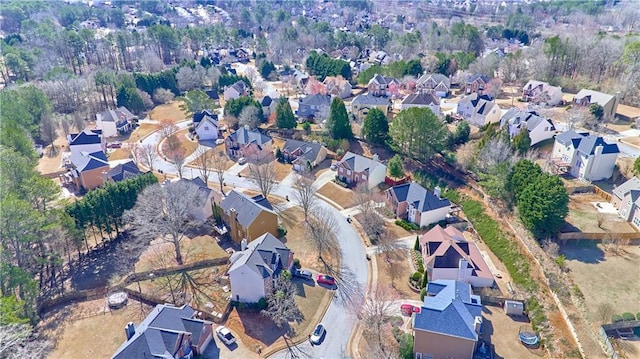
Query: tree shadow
{"type": "Point", "coordinates": [585, 251]}
{"type": "Point", "coordinates": [261, 328]}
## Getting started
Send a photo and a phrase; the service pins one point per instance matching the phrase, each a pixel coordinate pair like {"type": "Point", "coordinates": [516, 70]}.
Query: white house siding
{"type": "Point", "coordinates": [207, 131]}
{"type": "Point", "coordinates": [563, 153]}
{"type": "Point", "coordinates": [597, 167]}
{"type": "Point", "coordinates": [377, 176]}
{"type": "Point", "coordinates": [433, 216]}
{"type": "Point", "coordinates": [108, 128]}
{"type": "Point", "coordinates": [246, 285]}
{"type": "Point", "coordinates": [539, 134]}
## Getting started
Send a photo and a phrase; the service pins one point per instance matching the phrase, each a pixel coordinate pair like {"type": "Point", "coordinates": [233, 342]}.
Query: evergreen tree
{"type": "Point", "coordinates": [522, 142]}
{"type": "Point", "coordinates": [417, 132]}
{"type": "Point", "coordinates": [338, 124]}
{"type": "Point", "coordinates": [543, 205]}
{"type": "Point", "coordinates": [375, 128]}
{"type": "Point", "coordinates": [396, 169]}
{"type": "Point", "coordinates": [284, 114]}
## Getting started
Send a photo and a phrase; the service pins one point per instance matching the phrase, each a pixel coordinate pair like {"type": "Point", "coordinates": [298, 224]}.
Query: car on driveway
{"type": "Point", "coordinates": [116, 144]}
{"type": "Point", "coordinates": [242, 161]}
{"type": "Point", "coordinates": [408, 309]}
{"type": "Point", "coordinates": [325, 279]}
{"type": "Point", "coordinates": [225, 335]}
{"type": "Point", "coordinates": [303, 273]}
{"type": "Point", "coordinates": [219, 141]}
{"type": "Point", "coordinates": [318, 333]}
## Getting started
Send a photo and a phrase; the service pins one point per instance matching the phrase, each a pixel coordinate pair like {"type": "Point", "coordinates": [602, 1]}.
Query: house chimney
{"type": "Point", "coordinates": [243, 244]}
{"type": "Point", "coordinates": [376, 157]}
{"type": "Point", "coordinates": [129, 330]}
{"type": "Point", "coordinates": [436, 192]}
{"type": "Point", "coordinates": [477, 324]}
{"type": "Point", "coordinates": [599, 149]}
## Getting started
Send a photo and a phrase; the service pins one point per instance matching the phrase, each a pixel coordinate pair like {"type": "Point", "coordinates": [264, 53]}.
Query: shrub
{"type": "Point", "coordinates": [616, 318]}
{"type": "Point", "coordinates": [425, 280]}
{"type": "Point", "coordinates": [406, 346]}
{"type": "Point", "coordinates": [423, 292]}
{"type": "Point", "coordinates": [281, 231]}
{"type": "Point", "coordinates": [262, 304]}
{"type": "Point", "coordinates": [296, 263]}
{"type": "Point", "coordinates": [416, 246]}
{"type": "Point", "coordinates": [397, 333]}
{"type": "Point", "coordinates": [340, 182]}
{"type": "Point", "coordinates": [628, 316]}
{"type": "Point", "coordinates": [407, 225]}
{"type": "Point", "coordinates": [416, 276]}
{"type": "Point", "coordinates": [638, 317]}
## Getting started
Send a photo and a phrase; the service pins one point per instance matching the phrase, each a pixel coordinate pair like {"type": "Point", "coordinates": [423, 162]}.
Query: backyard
{"type": "Point", "coordinates": [502, 330]}
{"type": "Point", "coordinates": [585, 217]}
{"type": "Point", "coordinates": [168, 112]}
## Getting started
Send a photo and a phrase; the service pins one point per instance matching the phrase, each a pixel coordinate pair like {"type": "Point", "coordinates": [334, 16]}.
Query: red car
{"type": "Point", "coordinates": [325, 279]}
{"type": "Point", "coordinates": [408, 309]}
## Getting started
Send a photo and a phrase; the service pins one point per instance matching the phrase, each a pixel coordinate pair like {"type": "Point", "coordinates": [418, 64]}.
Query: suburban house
{"type": "Point", "coordinates": [88, 170]}
{"type": "Point", "coordinates": [268, 106]}
{"type": "Point", "coordinates": [255, 269]}
{"type": "Point", "coordinates": [314, 107]}
{"type": "Point", "coordinates": [422, 100]}
{"type": "Point", "coordinates": [416, 204]}
{"type": "Point", "coordinates": [608, 102]}
{"type": "Point", "coordinates": [251, 144]}
{"type": "Point", "coordinates": [248, 217]}
{"type": "Point", "coordinates": [361, 105]}
{"type": "Point", "coordinates": [204, 210]}
{"type": "Point", "coordinates": [167, 332]}
{"type": "Point", "coordinates": [379, 85]}
{"type": "Point", "coordinates": [123, 171]}
{"type": "Point", "coordinates": [446, 254]}
{"type": "Point", "coordinates": [475, 84]}
{"type": "Point", "coordinates": [213, 94]}
{"type": "Point", "coordinates": [198, 116]}
{"type": "Point", "coordinates": [584, 156]}
{"type": "Point", "coordinates": [354, 169]}
{"type": "Point", "coordinates": [434, 83]}
{"type": "Point", "coordinates": [479, 110]}
{"type": "Point", "coordinates": [449, 322]}
{"type": "Point", "coordinates": [379, 57]}
{"type": "Point", "coordinates": [337, 86]}
{"type": "Point", "coordinates": [114, 122]}
{"type": "Point", "coordinates": [539, 128]}
{"type": "Point", "coordinates": [207, 128]}
{"type": "Point", "coordinates": [626, 199]}
{"type": "Point", "coordinates": [303, 155]}
{"type": "Point", "coordinates": [87, 141]}
{"type": "Point", "coordinates": [236, 90]}
{"type": "Point", "coordinates": [541, 92]}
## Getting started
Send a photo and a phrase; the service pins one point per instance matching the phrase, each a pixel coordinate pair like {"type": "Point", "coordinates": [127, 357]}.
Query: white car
{"type": "Point", "coordinates": [317, 335]}
{"type": "Point", "coordinates": [225, 335]}
{"type": "Point", "coordinates": [242, 161]}
{"type": "Point", "coordinates": [219, 141]}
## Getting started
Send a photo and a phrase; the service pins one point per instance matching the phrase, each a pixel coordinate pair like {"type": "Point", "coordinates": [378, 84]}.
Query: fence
{"type": "Point", "coordinates": [77, 296]}
{"type": "Point", "coordinates": [607, 343]}
{"type": "Point", "coordinates": [600, 192]}
{"type": "Point", "coordinates": [597, 236]}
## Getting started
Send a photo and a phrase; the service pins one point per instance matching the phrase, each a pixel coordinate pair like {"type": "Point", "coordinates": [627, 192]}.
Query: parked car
{"type": "Point", "coordinates": [333, 166]}
{"type": "Point", "coordinates": [325, 279]}
{"type": "Point", "coordinates": [304, 274]}
{"type": "Point", "coordinates": [408, 309]}
{"type": "Point", "coordinates": [116, 144]}
{"type": "Point", "coordinates": [219, 141]}
{"type": "Point", "coordinates": [242, 161]}
{"type": "Point", "coordinates": [316, 337]}
{"type": "Point", "coordinates": [225, 335]}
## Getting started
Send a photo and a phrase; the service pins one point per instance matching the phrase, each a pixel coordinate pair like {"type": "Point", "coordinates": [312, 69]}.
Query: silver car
{"type": "Point", "coordinates": [317, 335]}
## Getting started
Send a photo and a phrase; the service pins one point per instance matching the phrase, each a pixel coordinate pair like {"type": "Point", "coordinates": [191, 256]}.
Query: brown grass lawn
{"type": "Point", "coordinates": [501, 331]}
{"type": "Point", "coordinates": [342, 196]}
{"type": "Point", "coordinates": [633, 141]}
{"type": "Point", "coordinates": [162, 255]}
{"type": "Point", "coordinates": [142, 131]}
{"type": "Point", "coordinates": [584, 216]}
{"type": "Point", "coordinates": [282, 170]}
{"type": "Point", "coordinates": [396, 231]}
{"type": "Point", "coordinates": [187, 145]}
{"type": "Point", "coordinates": [228, 162]}
{"type": "Point", "coordinates": [628, 111]}
{"type": "Point", "coordinates": [170, 111]}
{"type": "Point", "coordinates": [401, 268]}
{"type": "Point", "coordinates": [119, 154]}
{"type": "Point", "coordinates": [89, 333]}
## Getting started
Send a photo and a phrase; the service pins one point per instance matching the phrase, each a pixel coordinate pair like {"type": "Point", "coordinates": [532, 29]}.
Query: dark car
{"type": "Point", "coordinates": [325, 279]}
{"type": "Point", "coordinates": [303, 273]}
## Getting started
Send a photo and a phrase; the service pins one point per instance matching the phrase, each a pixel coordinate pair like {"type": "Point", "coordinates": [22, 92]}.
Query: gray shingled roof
{"type": "Point", "coordinates": [421, 98]}
{"type": "Point", "coordinates": [359, 163]}
{"type": "Point", "coordinates": [266, 255]}
{"type": "Point", "coordinates": [316, 100]}
{"type": "Point", "coordinates": [632, 184]}
{"type": "Point", "coordinates": [419, 197]}
{"type": "Point", "coordinates": [86, 137]}
{"type": "Point", "coordinates": [84, 161]}
{"type": "Point", "coordinates": [124, 171]}
{"type": "Point", "coordinates": [247, 208]}
{"type": "Point", "coordinates": [589, 143]}
{"type": "Point", "coordinates": [119, 115]}
{"type": "Point", "coordinates": [438, 78]}
{"type": "Point", "coordinates": [595, 97]}
{"type": "Point", "coordinates": [245, 137]}
{"type": "Point", "coordinates": [309, 150]}
{"type": "Point", "coordinates": [370, 100]}
{"type": "Point", "coordinates": [202, 185]}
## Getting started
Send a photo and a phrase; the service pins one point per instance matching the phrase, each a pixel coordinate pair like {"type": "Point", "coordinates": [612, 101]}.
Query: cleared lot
{"type": "Point", "coordinates": [502, 331]}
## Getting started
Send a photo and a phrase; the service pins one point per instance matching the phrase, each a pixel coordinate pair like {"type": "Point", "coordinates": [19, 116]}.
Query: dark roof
{"type": "Point", "coordinates": [244, 137]}
{"type": "Point", "coordinates": [369, 99]}
{"type": "Point", "coordinates": [247, 208]}
{"type": "Point", "coordinates": [124, 171]}
{"type": "Point", "coordinates": [421, 98]}
{"type": "Point", "coordinates": [475, 77]}
{"type": "Point", "coordinates": [419, 197]}
{"type": "Point", "coordinates": [158, 334]}
{"type": "Point", "coordinates": [266, 101]}
{"type": "Point", "coordinates": [316, 100]}
{"type": "Point", "coordinates": [266, 255]}
{"type": "Point", "coordinates": [84, 161]}
{"type": "Point", "coordinates": [213, 94]}
{"type": "Point", "coordinates": [570, 136]}
{"type": "Point", "coordinates": [309, 151]}
{"type": "Point", "coordinates": [86, 137]}
{"type": "Point", "coordinates": [449, 310]}
{"type": "Point", "coordinates": [589, 144]}
{"type": "Point", "coordinates": [198, 116]}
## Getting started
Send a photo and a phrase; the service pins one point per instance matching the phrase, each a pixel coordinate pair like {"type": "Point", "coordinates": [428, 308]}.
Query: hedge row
{"type": "Point", "coordinates": [407, 225]}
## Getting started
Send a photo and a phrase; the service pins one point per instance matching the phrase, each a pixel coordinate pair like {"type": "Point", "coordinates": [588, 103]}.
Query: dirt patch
{"type": "Point", "coordinates": [502, 331]}
{"type": "Point", "coordinates": [584, 217]}
{"type": "Point", "coordinates": [51, 161]}
{"type": "Point", "coordinates": [394, 273]}
{"type": "Point", "coordinates": [168, 112]}
{"type": "Point", "coordinates": [340, 195]}
{"type": "Point", "coordinates": [160, 254]}
{"type": "Point", "coordinates": [141, 132]}
{"type": "Point", "coordinates": [90, 329]}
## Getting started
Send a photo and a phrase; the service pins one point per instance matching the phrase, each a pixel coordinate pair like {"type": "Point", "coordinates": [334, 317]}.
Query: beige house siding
{"type": "Point", "coordinates": [616, 201]}
{"type": "Point", "coordinates": [265, 222]}
{"type": "Point", "coordinates": [440, 346]}
{"type": "Point", "coordinates": [92, 179]}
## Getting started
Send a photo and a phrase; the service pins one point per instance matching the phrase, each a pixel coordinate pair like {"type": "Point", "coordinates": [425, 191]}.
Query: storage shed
{"type": "Point", "coordinates": [512, 307]}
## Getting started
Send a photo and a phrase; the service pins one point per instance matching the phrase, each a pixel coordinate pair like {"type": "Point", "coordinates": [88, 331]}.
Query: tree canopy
{"type": "Point", "coordinates": [235, 106]}
{"type": "Point", "coordinates": [375, 128]}
{"type": "Point", "coordinates": [396, 169]}
{"type": "Point", "coordinates": [338, 124]}
{"type": "Point", "coordinates": [321, 65]}
{"type": "Point", "coordinates": [543, 205]}
{"type": "Point", "coordinates": [284, 114]}
{"type": "Point", "coordinates": [418, 133]}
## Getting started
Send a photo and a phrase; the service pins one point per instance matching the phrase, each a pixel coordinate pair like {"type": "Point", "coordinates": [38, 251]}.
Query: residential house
{"type": "Point", "coordinates": [449, 322]}
{"type": "Point", "coordinates": [204, 210]}
{"type": "Point", "coordinates": [379, 57]}
{"type": "Point", "coordinates": [268, 105]}
{"type": "Point", "coordinates": [88, 170]}
{"type": "Point", "coordinates": [479, 110]}
{"type": "Point", "coordinates": [626, 199]}
{"type": "Point", "coordinates": [198, 116]}
{"type": "Point", "coordinates": [446, 254]}
{"type": "Point", "coordinates": [213, 94]}
{"type": "Point", "coordinates": [585, 156]}
{"type": "Point", "coordinates": [303, 155]}
{"type": "Point", "coordinates": [114, 122]}
{"type": "Point", "coordinates": [354, 169]}
{"type": "Point", "coordinates": [379, 85]}
{"type": "Point", "coordinates": [361, 105]}
{"type": "Point", "coordinates": [434, 83]}
{"type": "Point", "coordinates": [422, 100]}
{"type": "Point", "coordinates": [300, 79]}
{"type": "Point", "coordinates": [123, 171]}
{"type": "Point", "coordinates": [251, 144]}
{"type": "Point", "coordinates": [539, 128]}
{"type": "Point", "coordinates": [314, 107]}
{"type": "Point", "coordinates": [248, 217]}
{"type": "Point", "coordinates": [608, 102]}
{"type": "Point", "coordinates": [236, 90]}
{"type": "Point", "coordinates": [542, 93]}
{"type": "Point", "coordinates": [255, 269]}
{"type": "Point", "coordinates": [87, 141]}
{"type": "Point", "coordinates": [285, 75]}
{"type": "Point", "coordinates": [207, 128]}
{"type": "Point", "coordinates": [238, 55]}
{"type": "Point", "coordinates": [475, 84]}
{"type": "Point", "coordinates": [167, 332]}
{"type": "Point", "coordinates": [416, 204]}
{"type": "Point", "coordinates": [337, 86]}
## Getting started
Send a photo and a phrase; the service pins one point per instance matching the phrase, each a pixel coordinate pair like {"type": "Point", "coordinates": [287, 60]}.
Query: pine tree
{"type": "Point", "coordinates": [284, 114]}
{"type": "Point", "coordinates": [375, 128]}
{"type": "Point", "coordinates": [338, 123]}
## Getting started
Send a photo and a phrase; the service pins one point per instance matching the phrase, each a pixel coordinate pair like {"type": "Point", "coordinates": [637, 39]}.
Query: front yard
{"type": "Point", "coordinates": [169, 112]}
{"type": "Point", "coordinates": [187, 145]}
{"type": "Point", "coordinates": [340, 195]}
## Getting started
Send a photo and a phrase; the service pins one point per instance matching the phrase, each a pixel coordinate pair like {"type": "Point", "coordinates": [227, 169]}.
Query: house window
{"type": "Point", "coordinates": [364, 177]}
{"type": "Point", "coordinates": [636, 221]}
{"type": "Point", "coordinates": [348, 172]}
{"type": "Point", "coordinates": [206, 128]}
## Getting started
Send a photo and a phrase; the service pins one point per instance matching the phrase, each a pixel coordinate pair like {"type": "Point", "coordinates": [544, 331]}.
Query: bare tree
{"type": "Point", "coordinates": [147, 154]}
{"type": "Point", "coordinates": [319, 230]}
{"type": "Point", "coordinates": [550, 247]}
{"type": "Point", "coordinates": [250, 117]}
{"type": "Point", "coordinates": [372, 223]}
{"type": "Point", "coordinates": [281, 304]}
{"type": "Point", "coordinates": [305, 195]}
{"type": "Point", "coordinates": [48, 131]}
{"type": "Point", "coordinates": [189, 79]}
{"type": "Point", "coordinates": [146, 99]}
{"type": "Point", "coordinates": [204, 161]}
{"type": "Point", "coordinates": [219, 166]}
{"type": "Point", "coordinates": [66, 124]}
{"type": "Point", "coordinates": [604, 312]}
{"type": "Point", "coordinates": [375, 314]}
{"type": "Point", "coordinates": [78, 121]}
{"type": "Point", "coordinates": [167, 128]}
{"type": "Point", "coordinates": [389, 248]}
{"type": "Point", "coordinates": [177, 157]}
{"type": "Point", "coordinates": [16, 341]}
{"type": "Point", "coordinates": [166, 212]}
{"type": "Point", "coordinates": [161, 96]}
{"type": "Point", "coordinates": [263, 173]}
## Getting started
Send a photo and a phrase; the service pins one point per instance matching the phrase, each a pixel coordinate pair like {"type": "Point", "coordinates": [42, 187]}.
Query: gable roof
{"type": "Point", "coordinates": [589, 143]}
{"type": "Point", "coordinates": [594, 97]}
{"type": "Point", "coordinates": [85, 161]}
{"type": "Point", "coordinates": [203, 188]}
{"type": "Point", "coordinates": [418, 196]}
{"type": "Point", "coordinates": [86, 137]}
{"type": "Point", "coordinates": [158, 334]}
{"type": "Point", "coordinates": [631, 185]}
{"type": "Point", "coordinates": [451, 311]}
{"type": "Point", "coordinates": [198, 116]}
{"type": "Point", "coordinates": [124, 171]}
{"type": "Point", "coordinates": [476, 77]}
{"type": "Point", "coordinates": [266, 255]}
{"type": "Point", "coordinates": [309, 150]}
{"type": "Point", "coordinates": [570, 136]}
{"type": "Point", "coordinates": [368, 99]}
{"type": "Point", "coordinates": [208, 120]}
{"type": "Point", "coordinates": [421, 98]}
{"type": "Point", "coordinates": [240, 87]}
{"type": "Point", "coordinates": [247, 208]}
{"type": "Point", "coordinates": [382, 80]}
{"type": "Point", "coordinates": [359, 163]}
{"type": "Point", "coordinates": [244, 136]}
{"type": "Point", "coordinates": [213, 94]}
{"type": "Point", "coordinates": [437, 79]}
{"type": "Point", "coordinates": [120, 114]}
{"type": "Point", "coordinates": [525, 119]}
{"type": "Point", "coordinates": [266, 101]}
{"type": "Point", "coordinates": [316, 100]}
